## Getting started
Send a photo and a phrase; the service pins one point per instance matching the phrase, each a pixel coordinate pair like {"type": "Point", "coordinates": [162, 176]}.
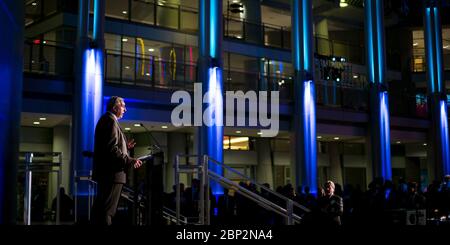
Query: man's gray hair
{"type": "Point", "coordinates": [113, 101]}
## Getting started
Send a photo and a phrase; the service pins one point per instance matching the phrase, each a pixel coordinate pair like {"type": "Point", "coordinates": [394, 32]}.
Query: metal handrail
{"type": "Point", "coordinates": [258, 185]}
{"type": "Point", "coordinates": [201, 169]}
{"type": "Point", "coordinates": [263, 202]}
{"type": "Point", "coordinates": [29, 168]}
{"type": "Point", "coordinates": [167, 213]}
{"type": "Point", "coordinates": [206, 175]}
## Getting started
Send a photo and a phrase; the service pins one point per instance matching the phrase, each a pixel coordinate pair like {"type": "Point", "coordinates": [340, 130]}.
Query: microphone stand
{"type": "Point", "coordinates": [155, 148]}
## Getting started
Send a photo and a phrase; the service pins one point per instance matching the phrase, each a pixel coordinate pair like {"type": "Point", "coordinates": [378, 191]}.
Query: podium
{"type": "Point", "coordinates": [153, 189]}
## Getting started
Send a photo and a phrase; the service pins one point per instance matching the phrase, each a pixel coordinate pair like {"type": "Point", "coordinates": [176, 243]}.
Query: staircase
{"type": "Point", "coordinates": [284, 207]}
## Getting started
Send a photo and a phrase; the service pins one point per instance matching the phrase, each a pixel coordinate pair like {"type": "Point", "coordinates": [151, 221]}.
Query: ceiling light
{"type": "Point", "coordinates": [355, 76]}
{"type": "Point", "coordinates": [127, 67]}
{"type": "Point", "coordinates": [34, 3]}
{"type": "Point", "coordinates": [398, 142]}
{"type": "Point", "coordinates": [238, 132]}
{"type": "Point", "coordinates": [319, 137]}
{"type": "Point", "coordinates": [44, 42]}
{"type": "Point", "coordinates": [446, 46]}
{"type": "Point", "coordinates": [424, 144]}
{"type": "Point", "coordinates": [415, 44]}
{"type": "Point", "coordinates": [124, 12]}
{"type": "Point", "coordinates": [147, 74]}
{"type": "Point", "coordinates": [36, 123]}
{"type": "Point", "coordinates": [343, 4]}
{"type": "Point", "coordinates": [42, 119]}
{"type": "Point", "coordinates": [164, 126]}
{"type": "Point", "coordinates": [137, 124]}
{"type": "Point", "coordinates": [151, 49]}
{"type": "Point", "coordinates": [127, 129]}
{"type": "Point", "coordinates": [336, 138]}
{"type": "Point", "coordinates": [259, 133]}
{"type": "Point", "coordinates": [124, 39]}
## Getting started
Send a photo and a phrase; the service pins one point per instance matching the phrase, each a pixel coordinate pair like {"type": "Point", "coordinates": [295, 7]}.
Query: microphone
{"type": "Point", "coordinates": [156, 145]}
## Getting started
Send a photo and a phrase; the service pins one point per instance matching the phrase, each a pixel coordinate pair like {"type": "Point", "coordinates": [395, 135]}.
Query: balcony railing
{"type": "Point", "coordinates": [48, 57]}
{"type": "Point", "coordinates": [349, 93]}
{"type": "Point", "coordinates": [185, 19]}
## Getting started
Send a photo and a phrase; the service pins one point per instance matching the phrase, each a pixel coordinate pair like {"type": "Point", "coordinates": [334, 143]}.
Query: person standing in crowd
{"type": "Point", "coordinates": [331, 206]}
{"type": "Point", "coordinates": [111, 160]}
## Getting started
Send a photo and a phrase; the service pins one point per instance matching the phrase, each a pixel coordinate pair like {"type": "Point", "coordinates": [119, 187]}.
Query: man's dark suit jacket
{"type": "Point", "coordinates": [332, 209]}
{"type": "Point", "coordinates": [111, 157]}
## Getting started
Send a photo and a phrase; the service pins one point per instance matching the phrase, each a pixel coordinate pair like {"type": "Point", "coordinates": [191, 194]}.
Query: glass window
{"type": "Point", "coordinates": [167, 15]}
{"type": "Point", "coordinates": [189, 20]}
{"type": "Point", "coordinates": [50, 7]}
{"type": "Point", "coordinates": [117, 9]}
{"type": "Point", "coordinates": [143, 11]}
{"type": "Point", "coordinates": [283, 145]}
{"type": "Point", "coordinates": [128, 46]}
{"type": "Point", "coordinates": [236, 143]}
{"type": "Point", "coordinates": [32, 11]}
{"type": "Point", "coordinates": [113, 43]}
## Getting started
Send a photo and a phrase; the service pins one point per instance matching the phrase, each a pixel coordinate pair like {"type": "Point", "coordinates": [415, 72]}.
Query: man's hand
{"type": "Point", "coordinates": [130, 144]}
{"type": "Point", "coordinates": [137, 163]}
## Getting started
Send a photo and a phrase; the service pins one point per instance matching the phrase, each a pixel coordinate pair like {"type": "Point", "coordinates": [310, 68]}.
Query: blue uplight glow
{"type": "Point", "coordinates": [438, 45]}
{"type": "Point", "coordinates": [296, 33]}
{"type": "Point", "coordinates": [306, 34]}
{"type": "Point", "coordinates": [310, 141]}
{"type": "Point", "coordinates": [429, 42]}
{"type": "Point", "coordinates": [213, 24]}
{"type": "Point", "coordinates": [369, 29]}
{"type": "Point", "coordinates": [380, 41]}
{"type": "Point", "coordinates": [202, 41]}
{"type": "Point", "coordinates": [215, 131]}
{"type": "Point", "coordinates": [385, 146]}
{"type": "Point", "coordinates": [91, 101]}
{"type": "Point", "coordinates": [444, 138]}
{"type": "Point", "coordinates": [96, 9]}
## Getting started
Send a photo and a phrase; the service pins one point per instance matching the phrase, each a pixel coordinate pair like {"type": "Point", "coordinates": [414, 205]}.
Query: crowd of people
{"type": "Point", "coordinates": [382, 203]}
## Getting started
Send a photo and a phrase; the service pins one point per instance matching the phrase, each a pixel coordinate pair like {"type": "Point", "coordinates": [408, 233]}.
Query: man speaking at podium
{"type": "Point", "coordinates": [111, 160]}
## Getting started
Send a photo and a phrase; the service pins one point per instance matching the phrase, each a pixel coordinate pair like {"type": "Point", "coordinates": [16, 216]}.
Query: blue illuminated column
{"type": "Point", "coordinates": [304, 150]}
{"type": "Point", "coordinates": [379, 103]}
{"type": "Point", "coordinates": [210, 65]}
{"type": "Point", "coordinates": [438, 147]}
{"type": "Point", "coordinates": [88, 95]}
{"type": "Point", "coordinates": [11, 63]}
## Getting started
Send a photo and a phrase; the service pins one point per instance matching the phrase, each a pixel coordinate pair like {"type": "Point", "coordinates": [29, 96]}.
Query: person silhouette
{"type": "Point", "coordinates": [66, 206]}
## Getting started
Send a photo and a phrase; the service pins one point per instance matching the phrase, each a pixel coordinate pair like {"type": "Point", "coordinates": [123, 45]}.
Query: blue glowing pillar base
{"type": "Point", "coordinates": [444, 138]}
{"type": "Point", "coordinates": [438, 147]}
{"type": "Point", "coordinates": [305, 141]}
{"type": "Point", "coordinates": [309, 175]}
{"type": "Point", "coordinates": [88, 110]}
{"type": "Point", "coordinates": [385, 139]}
{"type": "Point", "coordinates": [212, 130]}
{"type": "Point", "coordinates": [91, 103]}
{"type": "Point", "coordinates": [380, 134]}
